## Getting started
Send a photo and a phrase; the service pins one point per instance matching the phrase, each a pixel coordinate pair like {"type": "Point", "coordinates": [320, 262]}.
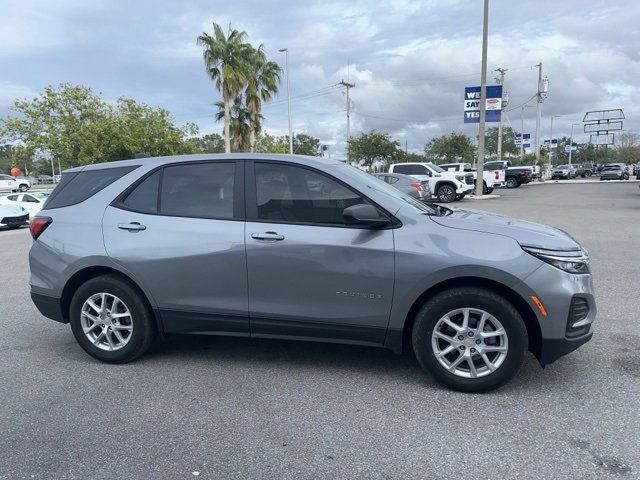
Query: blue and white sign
{"type": "Point", "coordinates": [493, 105]}
{"type": "Point", "coordinates": [573, 148]}
{"type": "Point", "coordinates": [527, 140]}
{"type": "Point", "coordinates": [554, 145]}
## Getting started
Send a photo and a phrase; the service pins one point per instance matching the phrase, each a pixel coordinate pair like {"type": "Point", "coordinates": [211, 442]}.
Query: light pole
{"type": "Point", "coordinates": [483, 101]}
{"type": "Point", "coordinates": [571, 141]}
{"type": "Point", "coordinates": [522, 131]}
{"type": "Point", "coordinates": [551, 139]}
{"type": "Point", "coordinates": [286, 62]}
{"type": "Point", "coordinates": [500, 80]}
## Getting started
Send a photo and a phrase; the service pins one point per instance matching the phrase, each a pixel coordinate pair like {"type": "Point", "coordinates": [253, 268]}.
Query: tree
{"type": "Point", "coordinates": [226, 59]}
{"type": "Point", "coordinates": [508, 141]}
{"type": "Point", "coordinates": [271, 144]}
{"type": "Point", "coordinates": [239, 125]}
{"type": "Point", "coordinates": [374, 147]}
{"type": "Point", "coordinates": [70, 125]}
{"type": "Point", "coordinates": [628, 147]}
{"type": "Point", "coordinates": [304, 144]}
{"type": "Point", "coordinates": [262, 82]}
{"type": "Point", "coordinates": [211, 143]}
{"type": "Point", "coordinates": [451, 148]}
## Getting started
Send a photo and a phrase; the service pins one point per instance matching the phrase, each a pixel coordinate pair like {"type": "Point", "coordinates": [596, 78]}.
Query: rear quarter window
{"type": "Point", "coordinates": [76, 187]}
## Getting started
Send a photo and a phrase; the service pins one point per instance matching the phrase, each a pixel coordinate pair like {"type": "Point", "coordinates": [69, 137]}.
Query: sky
{"type": "Point", "coordinates": [409, 60]}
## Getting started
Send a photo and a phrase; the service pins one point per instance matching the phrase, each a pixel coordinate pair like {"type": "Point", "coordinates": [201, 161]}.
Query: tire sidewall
{"type": "Point", "coordinates": [512, 182]}
{"type": "Point", "coordinates": [488, 301]}
{"type": "Point", "coordinates": [449, 198]}
{"type": "Point", "coordinates": [143, 326]}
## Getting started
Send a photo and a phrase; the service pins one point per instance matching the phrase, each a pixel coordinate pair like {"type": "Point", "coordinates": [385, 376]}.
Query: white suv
{"type": "Point", "coordinates": [13, 184]}
{"type": "Point", "coordinates": [490, 178]}
{"type": "Point", "coordinates": [445, 186]}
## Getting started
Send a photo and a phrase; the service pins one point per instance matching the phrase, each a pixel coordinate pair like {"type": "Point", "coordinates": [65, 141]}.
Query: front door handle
{"type": "Point", "coordinates": [132, 227]}
{"type": "Point", "coordinates": [267, 236]}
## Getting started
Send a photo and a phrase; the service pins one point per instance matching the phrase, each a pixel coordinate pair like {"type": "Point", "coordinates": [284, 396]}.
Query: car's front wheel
{"type": "Point", "coordinates": [446, 194]}
{"type": "Point", "coordinates": [111, 320]}
{"type": "Point", "coordinates": [512, 182]}
{"type": "Point", "coordinates": [471, 339]}
{"type": "Point", "coordinates": [23, 188]}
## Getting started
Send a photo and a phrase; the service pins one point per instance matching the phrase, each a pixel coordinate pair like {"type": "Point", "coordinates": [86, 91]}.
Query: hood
{"type": "Point", "coordinates": [524, 232]}
{"type": "Point", "coordinates": [11, 210]}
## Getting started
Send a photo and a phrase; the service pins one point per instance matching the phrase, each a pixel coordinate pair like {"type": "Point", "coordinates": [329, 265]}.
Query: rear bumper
{"type": "Point", "coordinates": [50, 307]}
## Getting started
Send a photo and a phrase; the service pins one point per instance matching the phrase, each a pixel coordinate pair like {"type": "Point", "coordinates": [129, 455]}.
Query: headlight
{"type": "Point", "coordinates": [572, 261]}
{"type": "Point", "coordinates": [460, 178]}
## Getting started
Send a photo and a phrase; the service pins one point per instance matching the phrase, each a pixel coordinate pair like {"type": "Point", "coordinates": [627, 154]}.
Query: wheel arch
{"type": "Point", "coordinates": [85, 274]}
{"type": "Point", "coordinates": [524, 309]}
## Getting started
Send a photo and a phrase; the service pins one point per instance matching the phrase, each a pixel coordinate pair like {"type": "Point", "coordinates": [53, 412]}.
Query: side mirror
{"type": "Point", "coordinates": [364, 215]}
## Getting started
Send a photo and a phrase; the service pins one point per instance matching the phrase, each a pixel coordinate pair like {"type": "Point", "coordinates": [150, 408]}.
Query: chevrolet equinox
{"type": "Point", "coordinates": [306, 248]}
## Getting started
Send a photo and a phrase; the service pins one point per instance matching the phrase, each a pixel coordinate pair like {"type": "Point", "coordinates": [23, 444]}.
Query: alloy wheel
{"type": "Point", "coordinates": [106, 321]}
{"type": "Point", "coordinates": [469, 342]}
{"type": "Point", "coordinates": [446, 194]}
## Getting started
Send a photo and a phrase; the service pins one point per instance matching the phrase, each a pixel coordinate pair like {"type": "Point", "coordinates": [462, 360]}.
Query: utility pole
{"type": "Point", "coordinates": [483, 101]}
{"type": "Point", "coordinates": [347, 86]}
{"type": "Point", "coordinates": [571, 141]}
{"type": "Point", "coordinates": [522, 132]}
{"type": "Point", "coordinates": [543, 87]}
{"type": "Point", "coordinates": [501, 82]}
{"type": "Point", "coordinates": [286, 59]}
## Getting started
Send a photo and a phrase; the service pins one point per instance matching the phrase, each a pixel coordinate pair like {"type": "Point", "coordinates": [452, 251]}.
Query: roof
{"type": "Point", "coordinates": [156, 161]}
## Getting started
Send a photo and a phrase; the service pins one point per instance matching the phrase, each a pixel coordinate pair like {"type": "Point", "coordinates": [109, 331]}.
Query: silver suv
{"type": "Point", "coordinates": [306, 248]}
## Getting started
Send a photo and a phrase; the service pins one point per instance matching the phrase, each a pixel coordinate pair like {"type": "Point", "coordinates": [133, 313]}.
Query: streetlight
{"type": "Point", "coordinates": [571, 141]}
{"type": "Point", "coordinates": [522, 131]}
{"type": "Point", "coordinates": [286, 60]}
{"type": "Point", "coordinates": [551, 139]}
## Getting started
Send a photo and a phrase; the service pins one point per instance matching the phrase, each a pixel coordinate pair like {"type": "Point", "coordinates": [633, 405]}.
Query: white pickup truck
{"type": "Point", "coordinates": [490, 178]}
{"type": "Point", "coordinates": [445, 186]}
{"type": "Point", "coordinates": [13, 184]}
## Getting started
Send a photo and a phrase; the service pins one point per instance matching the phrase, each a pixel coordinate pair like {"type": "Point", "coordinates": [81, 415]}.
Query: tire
{"type": "Point", "coordinates": [625, 177]}
{"type": "Point", "coordinates": [588, 173]}
{"type": "Point", "coordinates": [143, 331]}
{"type": "Point", "coordinates": [485, 189]}
{"type": "Point", "coordinates": [23, 188]}
{"type": "Point", "coordinates": [446, 194]}
{"type": "Point", "coordinates": [507, 362]}
{"type": "Point", "coordinates": [512, 182]}
{"type": "Point", "coordinates": [489, 190]}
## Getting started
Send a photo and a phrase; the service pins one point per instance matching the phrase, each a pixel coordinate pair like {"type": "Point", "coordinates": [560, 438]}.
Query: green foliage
{"type": "Point", "coordinates": [368, 148]}
{"type": "Point", "coordinates": [303, 144]}
{"type": "Point", "coordinates": [211, 143]}
{"type": "Point", "coordinates": [451, 148]}
{"type": "Point", "coordinates": [240, 126]}
{"type": "Point", "coordinates": [73, 126]}
{"type": "Point", "coordinates": [508, 141]}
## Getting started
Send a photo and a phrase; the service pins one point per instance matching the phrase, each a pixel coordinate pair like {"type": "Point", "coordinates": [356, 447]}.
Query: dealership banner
{"type": "Point", "coordinates": [493, 105]}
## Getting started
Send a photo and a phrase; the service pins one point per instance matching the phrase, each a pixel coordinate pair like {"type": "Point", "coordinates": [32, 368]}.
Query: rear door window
{"type": "Point", "coordinates": [144, 198]}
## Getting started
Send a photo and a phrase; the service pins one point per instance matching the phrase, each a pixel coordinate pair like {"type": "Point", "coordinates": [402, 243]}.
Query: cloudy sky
{"type": "Point", "coordinates": [409, 60]}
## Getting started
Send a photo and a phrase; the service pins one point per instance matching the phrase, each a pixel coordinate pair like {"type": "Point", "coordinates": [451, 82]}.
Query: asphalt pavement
{"type": "Point", "coordinates": [214, 407]}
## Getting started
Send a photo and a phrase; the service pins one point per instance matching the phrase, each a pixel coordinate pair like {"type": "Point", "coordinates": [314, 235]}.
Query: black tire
{"type": "Point", "coordinates": [625, 176]}
{"type": "Point", "coordinates": [472, 297]}
{"type": "Point", "coordinates": [588, 173]}
{"type": "Point", "coordinates": [512, 182]}
{"type": "Point", "coordinates": [446, 193]}
{"type": "Point", "coordinates": [485, 190]}
{"type": "Point", "coordinates": [23, 188]}
{"type": "Point", "coordinates": [143, 332]}
{"type": "Point", "coordinates": [489, 191]}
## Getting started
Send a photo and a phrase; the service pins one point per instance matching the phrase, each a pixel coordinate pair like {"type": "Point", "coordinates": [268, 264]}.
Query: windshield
{"type": "Point", "coordinates": [383, 188]}
{"type": "Point", "coordinates": [612, 167]}
{"type": "Point", "coordinates": [435, 168]}
{"type": "Point", "coordinates": [40, 195]}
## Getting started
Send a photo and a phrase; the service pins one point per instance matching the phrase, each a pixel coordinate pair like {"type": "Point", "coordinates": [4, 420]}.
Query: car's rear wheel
{"type": "Point", "coordinates": [588, 173]}
{"type": "Point", "coordinates": [111, 320]}
{"type": "Point", "coordinates": [512, 182]}
{"type": "Point", "coordinates": [489, 190]}
{"type": "Point", "coordinates": [23, 188]}
{"type": "Point", "coordinates": [470, 339]}
{"type": "Point", "coordinates": [446, 193]}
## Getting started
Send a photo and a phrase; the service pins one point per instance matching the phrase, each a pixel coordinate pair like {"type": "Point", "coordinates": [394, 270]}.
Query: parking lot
{"type": "Point", "coordinates": [216, 407]}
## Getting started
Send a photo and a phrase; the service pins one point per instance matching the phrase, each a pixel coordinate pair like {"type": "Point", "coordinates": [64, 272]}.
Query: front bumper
{"type": "Point", "coordinates": [552, 348]}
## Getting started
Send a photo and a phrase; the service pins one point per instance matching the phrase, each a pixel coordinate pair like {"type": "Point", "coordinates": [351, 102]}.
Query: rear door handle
{"type": "Point", "coordinates": [132, 227]}
{"type": "Point", "coordinates": [267, 236]}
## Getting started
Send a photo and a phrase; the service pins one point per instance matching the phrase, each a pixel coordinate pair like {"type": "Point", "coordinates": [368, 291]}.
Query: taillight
{"type": "Point", "coordinates": [497, 175]}
{"type": "Point", "coordinates": [417, 186]}
{"type": "Point", "coordinates": [39, 225]}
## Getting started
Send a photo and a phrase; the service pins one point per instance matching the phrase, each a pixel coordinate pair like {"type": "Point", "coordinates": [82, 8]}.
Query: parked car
{"type": "Point", "coordinates": [446, 186]}
{"type": "Point", "coordinates": [514, 176]}
{"type": "Point", "coordinates": [414, 188]}
{"type": "Point", "coordinates": [13, 184]}
{"type": "Point", "coordinates": [45, 179]}
{"type": "Point", "coordinates": [614, 171]}
{"type": "Point", "coordinates": [13, 216]}
{"type": "Point", "coordinates": [31, 202]}
{"type": "Point", "coordinates": [304, 248]}
{"type": "Point", "coordinates": [563, 172]}
{"type": "Point", "coordinates": [636, 170]}
{"type": "Point", "coordinates": [490, 178]}
{"type": "Point", "coordinates": [585, 170]}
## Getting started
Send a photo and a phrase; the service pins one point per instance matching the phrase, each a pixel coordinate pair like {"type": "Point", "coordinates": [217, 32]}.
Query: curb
{"type": "Point", "coordinates": [483, 197]}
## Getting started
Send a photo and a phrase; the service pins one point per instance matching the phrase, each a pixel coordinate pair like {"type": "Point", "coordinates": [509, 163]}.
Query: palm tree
{"type": "Point", "coordinates": [239, 124]}
{"type": "Point", "coordinates": [262, 82]}
{"type": "Point", "coordinates": [226, 58]}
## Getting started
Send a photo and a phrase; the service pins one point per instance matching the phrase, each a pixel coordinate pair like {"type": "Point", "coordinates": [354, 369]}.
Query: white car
{"type": "Point", "coordinates": [445, 186]}
{"type": "Point", "coordinates": [491, 178]}
{"type": "Point", "coordinates": [13, 184]}
{"type": "Point", "coordinates": [13, 216]}
{"type": "Point", "coordinates": [31, 202]}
